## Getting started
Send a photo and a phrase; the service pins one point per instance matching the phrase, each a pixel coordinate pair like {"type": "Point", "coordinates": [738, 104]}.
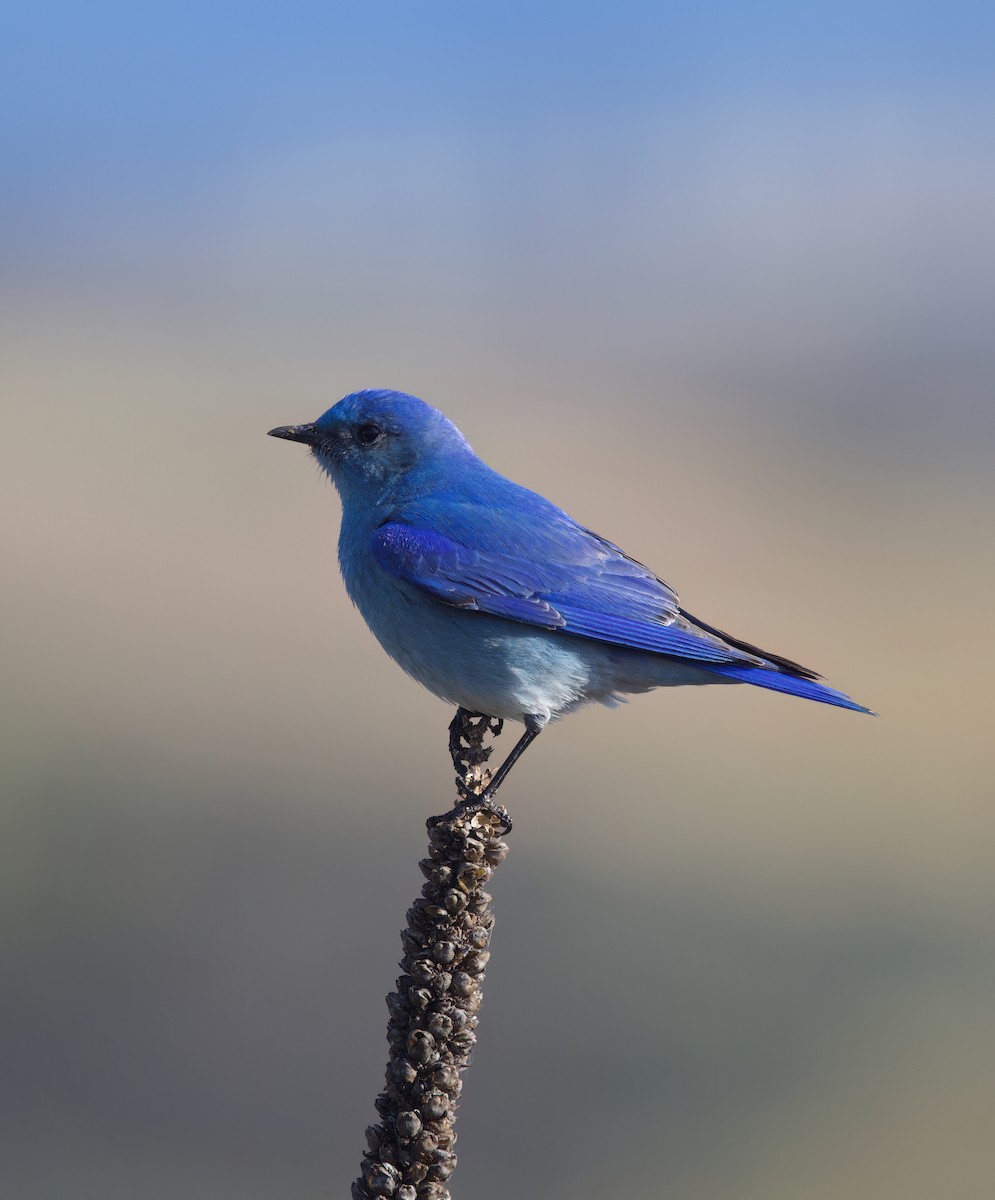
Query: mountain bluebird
{"type": "Point", "coordinates": [495, 599]}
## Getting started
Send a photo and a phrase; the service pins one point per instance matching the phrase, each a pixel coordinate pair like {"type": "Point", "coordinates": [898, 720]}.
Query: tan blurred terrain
{"type": "Point", "coordinates": [740, 919]}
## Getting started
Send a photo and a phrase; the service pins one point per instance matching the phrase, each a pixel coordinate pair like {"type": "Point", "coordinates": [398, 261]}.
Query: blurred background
{"type": "Point", "coordinates": [717, 279]}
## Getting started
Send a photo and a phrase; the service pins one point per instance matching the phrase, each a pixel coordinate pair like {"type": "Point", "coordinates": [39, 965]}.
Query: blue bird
{"type": "Point", "coordinates": [491, 596]}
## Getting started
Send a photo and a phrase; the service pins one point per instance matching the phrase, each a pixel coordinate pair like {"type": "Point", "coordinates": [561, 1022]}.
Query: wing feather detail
{"type": "Point", "coordinates": [597, 599]}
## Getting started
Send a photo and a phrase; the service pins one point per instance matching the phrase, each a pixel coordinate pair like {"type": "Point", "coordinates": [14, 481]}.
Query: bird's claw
{"type": "Point", "coordinates": [469, 754]}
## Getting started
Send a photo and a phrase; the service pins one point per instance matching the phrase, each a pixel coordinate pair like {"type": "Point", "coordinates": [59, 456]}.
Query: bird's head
{"type": "Point", "coordinates": [371, 439]}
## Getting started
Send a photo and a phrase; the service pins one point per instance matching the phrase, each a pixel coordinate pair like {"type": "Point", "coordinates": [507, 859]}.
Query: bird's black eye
{"type": "Point", "coordinates": [368, 435]}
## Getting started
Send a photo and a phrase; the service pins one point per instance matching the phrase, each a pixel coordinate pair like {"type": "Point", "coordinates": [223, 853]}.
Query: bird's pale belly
{"type": "Point", "coordinates": [490, 665]}
{"type": "Point", "coordinates": [482, 663]}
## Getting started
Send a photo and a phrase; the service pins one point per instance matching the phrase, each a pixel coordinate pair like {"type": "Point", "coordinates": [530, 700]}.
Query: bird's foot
{"type": "Point", "coordinates": [469, 754]}
{"type": "Point", "coordinates": [468, 807]}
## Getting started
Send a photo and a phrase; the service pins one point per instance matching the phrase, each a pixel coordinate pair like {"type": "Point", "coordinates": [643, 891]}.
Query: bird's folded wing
{"type": "Point", "coordinates": [596, 596]}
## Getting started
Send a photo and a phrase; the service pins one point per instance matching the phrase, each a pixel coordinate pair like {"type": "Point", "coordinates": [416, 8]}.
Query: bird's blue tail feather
{"type": "Point", "coordinates": [793, 685]}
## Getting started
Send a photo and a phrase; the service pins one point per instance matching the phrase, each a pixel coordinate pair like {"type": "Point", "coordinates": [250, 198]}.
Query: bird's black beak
{"type": "Point", "coordinates": [307, 434]}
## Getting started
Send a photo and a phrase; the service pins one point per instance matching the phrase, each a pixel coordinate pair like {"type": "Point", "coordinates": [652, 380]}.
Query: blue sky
{"type": "Point", "coordinates": [172, 94]}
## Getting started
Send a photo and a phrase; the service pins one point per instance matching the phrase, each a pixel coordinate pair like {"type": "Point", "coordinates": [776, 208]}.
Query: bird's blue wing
{"type": "Point", "coordinates": [582, 586]}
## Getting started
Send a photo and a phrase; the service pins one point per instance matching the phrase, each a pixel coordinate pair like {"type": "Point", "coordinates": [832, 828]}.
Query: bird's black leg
{"type": "Point", "coordinates": [485, 800]}
{"type": "Point", "coordinates": [466, 736]}
{"type": "Point", "coordinates": [532, 731]}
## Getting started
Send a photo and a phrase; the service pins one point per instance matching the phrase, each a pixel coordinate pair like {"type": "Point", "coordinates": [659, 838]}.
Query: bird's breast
{"type": "Point", "coordinates": [486, 664]}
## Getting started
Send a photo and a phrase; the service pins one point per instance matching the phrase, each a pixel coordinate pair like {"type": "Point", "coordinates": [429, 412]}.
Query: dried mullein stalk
{"type": "Point", "coordinates": [433, 1013]}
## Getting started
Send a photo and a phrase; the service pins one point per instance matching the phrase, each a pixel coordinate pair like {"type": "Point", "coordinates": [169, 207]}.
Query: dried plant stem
{"type": "Point", "coordinates": [433, 1013]}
